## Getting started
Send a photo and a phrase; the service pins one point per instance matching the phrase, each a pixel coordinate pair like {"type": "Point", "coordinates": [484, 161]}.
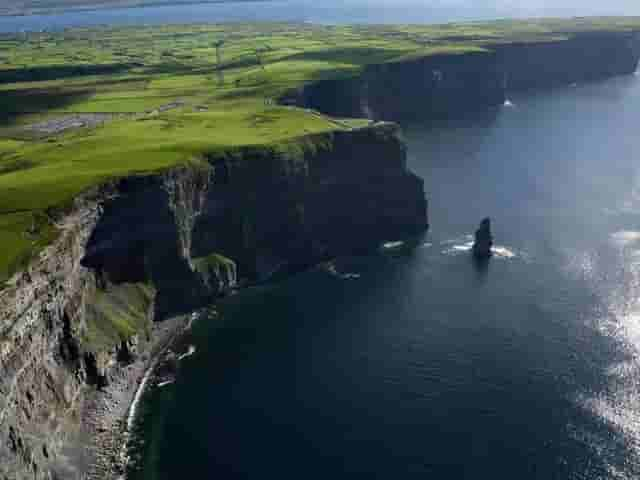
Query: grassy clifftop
{"type": "Point", "coordinates": [83, 106]}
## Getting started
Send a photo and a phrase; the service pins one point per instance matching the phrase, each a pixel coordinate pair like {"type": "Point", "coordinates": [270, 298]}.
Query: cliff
{"type": "Point", "coordinates": [146, 248]}
{"type": "Point", "coordinates": [443, 85]}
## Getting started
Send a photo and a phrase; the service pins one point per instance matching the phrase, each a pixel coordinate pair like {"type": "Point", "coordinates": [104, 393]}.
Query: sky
{"type": "Point", "coordinates": [575, 7]}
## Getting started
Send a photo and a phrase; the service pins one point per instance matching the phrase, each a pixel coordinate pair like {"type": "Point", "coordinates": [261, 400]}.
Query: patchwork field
{"type": "Point", "coordinates": [82, 106]}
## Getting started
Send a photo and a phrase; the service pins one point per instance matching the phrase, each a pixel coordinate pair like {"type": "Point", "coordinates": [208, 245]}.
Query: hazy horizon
{"type": "Point", "coordinates": [466, 8]}
{"type": "Point", "coordinates": [517, 7]}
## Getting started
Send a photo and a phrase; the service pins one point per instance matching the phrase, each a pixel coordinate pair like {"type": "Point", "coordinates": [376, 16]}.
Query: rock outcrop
{"type": "Point", "coordinates": [147, 248]}
{"type": "Point", "coordinates": [483, 240]}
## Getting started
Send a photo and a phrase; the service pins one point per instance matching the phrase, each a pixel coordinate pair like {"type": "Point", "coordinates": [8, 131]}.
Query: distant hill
{"type": "Point", "coordinates": [26, 7]}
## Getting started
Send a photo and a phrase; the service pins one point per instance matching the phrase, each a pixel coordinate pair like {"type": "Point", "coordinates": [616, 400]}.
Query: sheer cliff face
{"type": "Point", "coordinates": [146, 248]}
{"type": "Point", "coordinates": [42, 369]}
{"type": "Point", "coordinates": [583, 58]}
{"type": "Point", "coordinates": [447, 85]}
{"type": "Point", "coordinates": [352, 189]}
{"type": "Point", "coordinates": [435, 86]}
{"type": "Point", "coordinates": [257, 211]}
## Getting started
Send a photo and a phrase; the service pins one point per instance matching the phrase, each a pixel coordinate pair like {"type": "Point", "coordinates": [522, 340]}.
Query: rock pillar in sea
{"type": "Point", "coordinates": [483, 240]}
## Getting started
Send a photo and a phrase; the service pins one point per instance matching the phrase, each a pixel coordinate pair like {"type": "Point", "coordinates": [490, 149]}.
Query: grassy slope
{"type": "Point", "coordinates": [133, 72]}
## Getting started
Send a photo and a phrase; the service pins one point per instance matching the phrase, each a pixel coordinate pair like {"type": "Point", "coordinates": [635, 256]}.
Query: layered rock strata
{"type": "Point", "coordinates": [145, 249]}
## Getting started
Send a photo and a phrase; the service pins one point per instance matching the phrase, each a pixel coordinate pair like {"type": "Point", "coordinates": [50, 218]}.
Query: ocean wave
{"type": "Point", "coordinates": [190, 351]}
{"type": "Point", "coordinates": [392, 245]}
{"type": "Point", "coordinates": [136, 399]}
{"type": "Point", "coordinates": [333, 270]}
{"type": "Point", "coordinates": [503, 252]}
{"type": "Point", "coordinates": [498, 251]}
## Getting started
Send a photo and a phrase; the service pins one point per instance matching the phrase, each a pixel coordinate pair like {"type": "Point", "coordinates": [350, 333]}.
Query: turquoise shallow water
{"type": "Point", "coordinates": [413, 363]}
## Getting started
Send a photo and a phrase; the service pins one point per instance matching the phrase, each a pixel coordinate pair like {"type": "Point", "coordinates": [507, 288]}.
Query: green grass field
{"type": "Point", "coordinates": [173, 103]}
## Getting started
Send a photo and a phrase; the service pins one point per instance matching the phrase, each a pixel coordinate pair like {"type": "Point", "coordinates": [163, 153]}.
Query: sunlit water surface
{"type": "Point", "coordinates": [413, 362]}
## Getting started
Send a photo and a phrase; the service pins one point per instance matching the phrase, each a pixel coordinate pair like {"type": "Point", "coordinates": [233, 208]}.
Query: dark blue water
{"type": "Point", "coordinates": [325, 12]}
{"type": "Point", "coordinates": [421, 365]}
{"type": "Point", "coordinates": [328, 12]}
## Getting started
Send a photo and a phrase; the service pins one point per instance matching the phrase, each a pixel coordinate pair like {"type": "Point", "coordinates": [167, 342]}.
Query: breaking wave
{"type": "Point", "coordinates": [190, 351]}
{"type": "Point", "coordinates": [466, 245]}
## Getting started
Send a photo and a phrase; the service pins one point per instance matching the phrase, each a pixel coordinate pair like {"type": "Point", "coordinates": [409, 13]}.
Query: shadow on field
{"type": "Point", "coordinates": [353, 55]}
{"type": "Point", "coordinates": [23, 102]}
{"type": "Point", "coordinates": [168, 67]}
{"type": "Point", "coordinates": [55, 72]}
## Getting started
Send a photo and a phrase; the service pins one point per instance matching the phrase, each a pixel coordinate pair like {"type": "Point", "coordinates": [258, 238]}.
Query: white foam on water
{"type": "Point", "coordinates": [164, 384]}
{"type": "Point", "coordinates": [192, 318]}
{"type": "Point", "coordinates": [392, 245]}
{"type": "Point", "coordinates": [333, 270]}
{"type": "Point", "coordinates": [458, 240]}
{"type": "Point", "coordinates": [503, 252]}
{"type": "Point", "coordinates": [508, 103]}
{"type": "Point", "coordinates": [457, 249]}
{"type": "Point", "coordinates": [498, 250]}
{"type": "Point", "coordinates": [465, 247]}
{"type": "Point", "coordinates": [351, 276]}
{"type": "Point", "coordinates": [190, 351]}
{"type": "Point", "coordinates": [624, 238]}
{"type": "Point", "coordinates": [136, 399]}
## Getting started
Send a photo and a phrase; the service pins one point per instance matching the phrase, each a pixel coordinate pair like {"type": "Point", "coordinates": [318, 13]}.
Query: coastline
{"type": "Point", "coordinates": [123, 6]}
{"type": "Point", "coordinates": [108, 414]}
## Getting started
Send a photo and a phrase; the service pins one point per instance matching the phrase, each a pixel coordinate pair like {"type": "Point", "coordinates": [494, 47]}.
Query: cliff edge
{"type": "Point", "coordinates": [443, 85]}
{"type": "Point", "coordinates": [148, 248]}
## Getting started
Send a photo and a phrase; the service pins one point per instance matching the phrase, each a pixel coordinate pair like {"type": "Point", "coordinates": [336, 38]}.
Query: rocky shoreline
{"type": "Point", "coordinates": [106, 412]}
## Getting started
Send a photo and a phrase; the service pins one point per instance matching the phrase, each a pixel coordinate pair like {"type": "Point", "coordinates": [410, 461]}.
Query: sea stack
{"type": "Point", "coordinates": [483, 240]}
